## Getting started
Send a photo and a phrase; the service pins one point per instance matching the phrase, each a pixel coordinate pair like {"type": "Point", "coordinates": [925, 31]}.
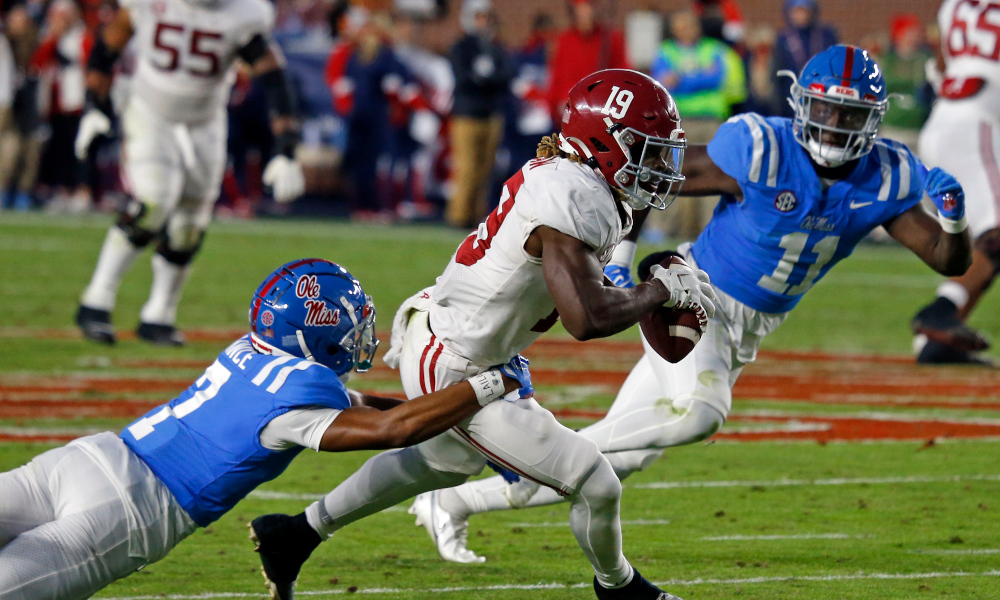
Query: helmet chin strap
{"type": "Point", "coordinates": [302, 345]}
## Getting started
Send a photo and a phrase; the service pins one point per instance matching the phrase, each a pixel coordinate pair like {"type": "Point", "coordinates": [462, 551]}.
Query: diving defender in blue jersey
{"type": "Point", "coordinates": [78, 517]}
{"type": "Point", "coordinates": [797, 196]}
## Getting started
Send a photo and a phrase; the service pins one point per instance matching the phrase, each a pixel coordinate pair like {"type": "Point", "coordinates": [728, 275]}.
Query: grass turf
{"type": "Point", "coordinates": [904, 531]}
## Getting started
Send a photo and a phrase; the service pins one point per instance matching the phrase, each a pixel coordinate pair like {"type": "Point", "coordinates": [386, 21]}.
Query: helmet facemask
{"type": "Point", "coordinates": [360, 341]}
{"type": "Point", "coordinates": [834, 130]}
{"type": "Point", "coordinates": [651, 177]}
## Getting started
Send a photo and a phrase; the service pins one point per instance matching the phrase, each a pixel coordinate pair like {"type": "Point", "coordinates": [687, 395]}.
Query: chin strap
{"type": "Point", "coordinates": [302, 345]}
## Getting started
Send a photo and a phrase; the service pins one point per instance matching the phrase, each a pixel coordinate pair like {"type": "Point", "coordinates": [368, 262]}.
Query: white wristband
{"type": "Point", "coordinates": [953, 226]}
{"type": "Point", "coordinates": [624, 254]}
{"type": "Point", "coordinates": [488, 386]}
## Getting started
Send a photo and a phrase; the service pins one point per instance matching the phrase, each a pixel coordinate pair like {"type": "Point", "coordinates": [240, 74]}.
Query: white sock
{"type": "Point", "coordinates": [117, 256]}
{"type": "Point", "coordinates": [593, 517]}
{"type": "Point", "coordinates": [623, 255]}
{"type": "Point", "coordinates": [165, 294]}
{"type": "Point", "coordinates": [955, 292]}
{"type": "Point", "coordinates": [384, 480]}
{"type": "Point", "coordinates": [475, 497]}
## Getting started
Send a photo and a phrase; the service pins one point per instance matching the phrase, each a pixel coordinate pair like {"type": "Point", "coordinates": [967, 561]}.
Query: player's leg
{"type": "Point", "coordinates": [942, 334]}
{"type": "Point", "coordinates": [204, 149]}
{"type": "Point", "coordinates": [152, 173]}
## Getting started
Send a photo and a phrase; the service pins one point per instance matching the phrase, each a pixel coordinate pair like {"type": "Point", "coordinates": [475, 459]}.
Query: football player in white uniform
{"type": "Point", "coordinates": [537, 258]}
{"type": "Point", "coordinates": [174, 147]}
{"type": "Point", "coordinates": [962, 136]}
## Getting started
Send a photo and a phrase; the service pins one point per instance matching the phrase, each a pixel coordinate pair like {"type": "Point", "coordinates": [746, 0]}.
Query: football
{"type": "Point", "coordinates": [672, 333]}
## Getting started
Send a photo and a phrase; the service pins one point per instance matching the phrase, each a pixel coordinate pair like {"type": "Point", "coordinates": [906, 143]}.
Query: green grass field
{"type": "Point", "coordinates": [907, 509]}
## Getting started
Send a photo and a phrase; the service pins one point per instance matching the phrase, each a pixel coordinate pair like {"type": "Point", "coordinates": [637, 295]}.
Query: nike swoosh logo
{"type": "Point", "coordinates": [855, 204]}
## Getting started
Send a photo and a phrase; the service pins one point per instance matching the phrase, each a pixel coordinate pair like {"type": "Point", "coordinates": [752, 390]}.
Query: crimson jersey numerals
{"type": "Point", "coordinates": [975, 29]}
{"type": "Point", "coordinates": [203, 49]}
{"type": "Point", "coordinates": [474, 248]}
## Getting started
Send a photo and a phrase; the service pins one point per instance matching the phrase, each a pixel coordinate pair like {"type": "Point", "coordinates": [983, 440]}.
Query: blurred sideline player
{"type": "Point", "coordinates": [537, 258]}
{"type": "Point", "coordinates": [78, 517]}
{"type": "Point", "coordinates": [962, 136]}
{"type": "Point", "coordinates": [174, 146]}
{"type": "Point", "coordinates": [797, 196]}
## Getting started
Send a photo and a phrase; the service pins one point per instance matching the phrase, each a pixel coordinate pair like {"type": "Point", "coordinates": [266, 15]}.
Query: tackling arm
{"type": "Point", "coordinates": [408, 423]}
{"type": "Point", "coordinates": [588, 308]}
{"type": "Point", "coordinates": [702, 177]}
{"type": "Point", "coordinates": [107, 48]}
{"type": "Point", "coordinates": [949, 254]}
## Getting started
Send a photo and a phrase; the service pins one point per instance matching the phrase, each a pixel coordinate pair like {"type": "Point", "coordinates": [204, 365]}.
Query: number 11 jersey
{"type": "Point", "coordinates": [790, 228]}
{"type": "Point", "coordinates": [185, 52]}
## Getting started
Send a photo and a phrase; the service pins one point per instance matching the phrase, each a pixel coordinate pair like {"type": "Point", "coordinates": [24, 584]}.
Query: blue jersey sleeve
{"type": "Point", "coordinates": [746, 148]}
{"type": "Point", "coordinates": [902, 178]}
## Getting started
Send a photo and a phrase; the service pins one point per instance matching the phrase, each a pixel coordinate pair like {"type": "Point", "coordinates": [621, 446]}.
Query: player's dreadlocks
{"type": "Point", "coordinates": [549, 147]}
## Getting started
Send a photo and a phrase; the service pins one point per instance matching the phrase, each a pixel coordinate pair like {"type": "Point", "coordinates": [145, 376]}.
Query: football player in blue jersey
{"type": "Point", "coordinates": [797, 197]}
{"type": "Point", "coordinates": [78, 517]}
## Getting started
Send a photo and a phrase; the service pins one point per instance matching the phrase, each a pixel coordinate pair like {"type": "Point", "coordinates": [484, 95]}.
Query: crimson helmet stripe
{"type": "Point", "coordinates": [848, 66]}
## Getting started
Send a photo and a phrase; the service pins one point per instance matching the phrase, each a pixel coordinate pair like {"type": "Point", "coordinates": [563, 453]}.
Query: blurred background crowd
{"type": "Point", "coordinates": [421, 109]}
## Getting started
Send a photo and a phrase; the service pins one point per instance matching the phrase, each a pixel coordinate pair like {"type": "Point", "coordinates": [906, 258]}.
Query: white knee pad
{"type": "Point", "coordinates": [601, 487]}
{"type": "Point", "coordinates": [632, 461]}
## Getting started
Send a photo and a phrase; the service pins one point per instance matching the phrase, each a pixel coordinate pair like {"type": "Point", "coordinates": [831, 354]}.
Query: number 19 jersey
{"type": "Point", "coordinates": [185, 52]}
{"type": "Point", "coordinates": [790, 229]}
{"type": "Point", "coordinates": [492, 301]}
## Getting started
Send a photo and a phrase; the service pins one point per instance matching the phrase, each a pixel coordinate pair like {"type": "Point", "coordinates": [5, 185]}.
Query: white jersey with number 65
{"type": "Point", "coordinates": [185, 52]}
{"type": "Point", "coordinates": [970, 43]}
{"type": "Point", "coordinates": [492, 300]}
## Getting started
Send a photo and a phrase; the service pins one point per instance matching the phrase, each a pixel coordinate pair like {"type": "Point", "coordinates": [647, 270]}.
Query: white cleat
{"type": "Point", "coordinates": [449, 533]}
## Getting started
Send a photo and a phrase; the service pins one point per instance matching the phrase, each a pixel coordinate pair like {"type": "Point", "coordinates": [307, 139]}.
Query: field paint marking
{"type": "Point", "coordinates": [801, 536]}
{"type": "Point", "coordinates": [562, 586]}
{"type": "Point", "coordinates": [661, 485]}
{"type": "Point", "coordinates": [968, 551]}
{"type": "Point", "coordinates": [566, 523]}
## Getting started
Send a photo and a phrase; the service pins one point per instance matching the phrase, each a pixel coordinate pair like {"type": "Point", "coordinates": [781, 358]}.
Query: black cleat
{"type": "Point", "coordinates": [284, 543]}
{"type": "Point", "coordinates": [638, 589]}
{"type": "Point", "coordinates": [96, 325]}
{"type": "Point", "coordinates": [936, 353]}
{"type": "Point", "coordinates": [940, 323]}
{"type": "Point", "coordinates": [163, 335]}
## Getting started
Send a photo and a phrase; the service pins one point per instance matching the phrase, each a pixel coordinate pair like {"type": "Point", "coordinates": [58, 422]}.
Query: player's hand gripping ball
{"type": "Point", "coordinates": [673, 332]}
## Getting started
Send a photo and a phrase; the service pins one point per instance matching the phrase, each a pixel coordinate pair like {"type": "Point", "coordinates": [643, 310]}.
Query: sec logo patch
{"type": "Point", "coordinates": [786, 202]}
{"type": "Point", "coordinates": [267, 319]}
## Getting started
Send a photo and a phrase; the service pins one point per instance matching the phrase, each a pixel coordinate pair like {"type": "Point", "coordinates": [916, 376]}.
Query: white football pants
{"type": "Point", "coordinates": [519, 435]}
{"type": "Point", "coordinates": [77, 518]}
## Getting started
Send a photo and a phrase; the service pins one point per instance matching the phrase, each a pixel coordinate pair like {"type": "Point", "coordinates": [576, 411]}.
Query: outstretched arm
{"type": "Point", "coordinates": [949, 254]}
{"type": "Point", "coordinates": [367, 428]}
{"type": "Point", "coordinates": [702, 177]}
{"type": "Point", "coordinates": [107, 48]}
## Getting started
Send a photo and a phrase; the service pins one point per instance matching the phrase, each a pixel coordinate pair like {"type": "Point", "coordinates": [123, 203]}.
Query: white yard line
{"type": "Point", "coordinates": [968, 551]}
{"type": "Point", "coordinates": [660, 485]}
{"type": "Point", "coordinates": [800, 536]}
{"type": "Point", "coordinates": [566, 523]}
{"type": "Point", "coordinates": [561, 586]}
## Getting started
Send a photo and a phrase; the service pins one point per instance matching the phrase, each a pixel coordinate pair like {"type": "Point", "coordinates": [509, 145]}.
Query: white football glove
{"type": "Point", "coordinates": [689, 288]}
{"type": "Point", "coordinates": [284, 176]}
{"type": "Point", "coordinates": [93, 123]}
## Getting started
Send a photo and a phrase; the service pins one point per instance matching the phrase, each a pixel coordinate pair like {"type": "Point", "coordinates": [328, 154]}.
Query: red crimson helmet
{"type": "Point", "coordinates": [626, 126]}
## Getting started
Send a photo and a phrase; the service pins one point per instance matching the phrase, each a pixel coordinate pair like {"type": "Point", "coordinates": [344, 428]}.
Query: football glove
{"type": "Point", "coordinates": [93, 124]}
{"type": "Point", "coordinates": [284, 176]}
{"type": "Point", "coordinates": [508, 476]}
{"type": "Point", "coordinates": [946, 193]}
{"type": "Point", "coordinates": [619, 276]}
{"type": "Point", "coordinates": [517, 369]}
{"type": "Point", "coordinates": [690, 289]}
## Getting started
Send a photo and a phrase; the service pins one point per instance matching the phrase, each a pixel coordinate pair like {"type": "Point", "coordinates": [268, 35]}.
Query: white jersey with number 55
{"type": "Point", "coordinates": [185, 52]}
{"type": "Point", "coordinates": [970, 42]}
{"type": "Point", "coordinates": [492, 300]}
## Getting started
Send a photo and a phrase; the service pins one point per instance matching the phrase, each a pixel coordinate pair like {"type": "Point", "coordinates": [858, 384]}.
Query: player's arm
{"type": "Point", "coordinates": [702, 177]}
{"type": "Point", "coordinates": [950, 254]}
{"type": "Point", "coordinates": [407, 423]}
{"type": "Point", "coordinates": [589, 308]}
{"type": "Point", "coordinates": [943, 243]}
{"type": "Point", "coordinates": [108, 46]}
{"type": "Point", "coordinates": [376, 402]}
{"type": "Point", "coordinates": [267, 66]}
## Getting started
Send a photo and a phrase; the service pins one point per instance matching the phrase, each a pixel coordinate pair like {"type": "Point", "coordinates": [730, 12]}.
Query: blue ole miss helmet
{"type": "Point", "coordinates": [315, 309]}
{"type": "Point", "coordinates": [839, 99]}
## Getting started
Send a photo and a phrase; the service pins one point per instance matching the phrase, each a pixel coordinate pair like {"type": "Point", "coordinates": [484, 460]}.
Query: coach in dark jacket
{"type": "Point", "coordinates": [483, 72]}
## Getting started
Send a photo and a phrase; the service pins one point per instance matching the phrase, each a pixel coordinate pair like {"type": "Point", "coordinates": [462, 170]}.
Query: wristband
{"type": "Point", "coordinates": [623, 255]}
{"type": "Point", "coordinates": [953, 226]}
{"type": "Point", "coordinates": [488, 386]}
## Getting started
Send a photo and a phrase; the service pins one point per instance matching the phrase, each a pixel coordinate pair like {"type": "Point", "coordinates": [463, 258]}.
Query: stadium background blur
{"type": "Point", "coordinates": [376, 91]}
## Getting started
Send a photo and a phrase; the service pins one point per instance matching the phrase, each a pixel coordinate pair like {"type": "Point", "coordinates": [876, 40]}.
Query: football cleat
{"type": "Point", "coordinates": [162, 335]}
{"type": "Point", "coordinates": [939, 321]}
{"type": "Point", "coordinates": [935, 353]}
{"type": "Point", "coordinates": [450, 534]}
{"type": "Point", "coordinates": [96, 325]}
{"type": "Point", "coordinates": [639, 588]}
{"type": "Point", "coordinates": [284, 543]}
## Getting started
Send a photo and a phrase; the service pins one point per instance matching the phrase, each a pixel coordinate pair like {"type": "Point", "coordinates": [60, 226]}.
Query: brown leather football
{"type": "Point", "coordinates": [672, 333]}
